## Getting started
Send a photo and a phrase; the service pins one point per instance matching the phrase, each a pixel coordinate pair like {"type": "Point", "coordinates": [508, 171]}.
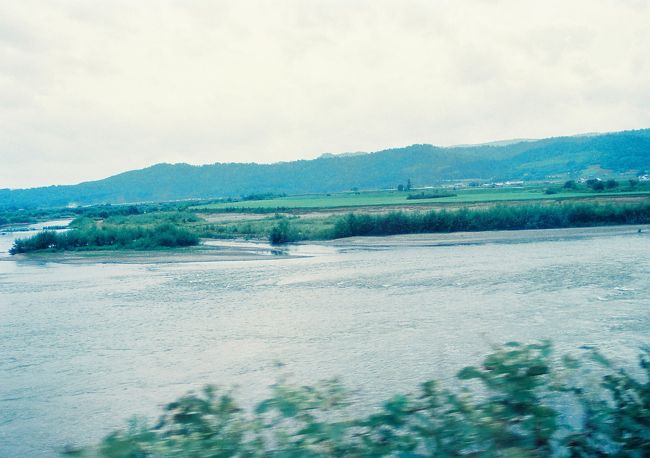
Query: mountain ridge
{"type": "Point", "coordinates": [570, 156]}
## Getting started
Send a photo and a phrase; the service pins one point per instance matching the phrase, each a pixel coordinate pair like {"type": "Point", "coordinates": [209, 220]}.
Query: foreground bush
{"type": "Point", "coordinates": [520, 402]}
{"type": "Point", "coordinates": [503, 217]}
{"type": "Point", "coordinates": [85, 234]}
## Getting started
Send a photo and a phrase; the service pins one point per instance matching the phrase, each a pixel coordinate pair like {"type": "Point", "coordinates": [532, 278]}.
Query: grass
{"type": "Point", "coordinates": [302, 228]}
{"type": "Point", "coordinates": [281, 228]}
{"type": "Point", "coordinates": [396, 198]}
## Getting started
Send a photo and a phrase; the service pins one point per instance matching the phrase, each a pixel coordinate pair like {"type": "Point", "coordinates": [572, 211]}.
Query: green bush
{"type": "Point", "coordinates": [430, 195]}
{"type": "Point", "coordinates": [42, 241]}
{"type": "Point", "coordinates": [502, 217]}
{"type": "Point", "coordinates": [282, 232]}
{"type": "Point", "coordinates": [596, 185]}
{"type": "Point", "coordinates": [520, 402]}
{"type": "Point", "coordinates": [570, 184]}
{"type": "Point", "coordinates": [86, 234]}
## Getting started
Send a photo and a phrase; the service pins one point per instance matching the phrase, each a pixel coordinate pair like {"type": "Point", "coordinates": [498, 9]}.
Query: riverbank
{"type": "Point", "coordinates": [479, 238]}
{"type": "Point", "coordinates": [201, 253]}
{"type": "Point", "coordinates": [282, 228]}
{"type": "Point", "coordinates": [215, 250]}
{"type": "Point", "coordinates": [160, 229]}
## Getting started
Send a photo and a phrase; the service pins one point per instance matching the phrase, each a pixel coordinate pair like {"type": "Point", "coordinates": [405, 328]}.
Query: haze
{"type": "Point", "coordinates": [93, 88]}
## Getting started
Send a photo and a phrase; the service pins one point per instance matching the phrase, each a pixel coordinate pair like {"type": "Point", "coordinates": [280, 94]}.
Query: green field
{"type": "Point", "coordinates": [395, 198]}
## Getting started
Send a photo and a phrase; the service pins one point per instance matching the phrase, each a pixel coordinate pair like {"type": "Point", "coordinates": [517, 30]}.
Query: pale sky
{"type": "Point", "coordinates": [92, 88]}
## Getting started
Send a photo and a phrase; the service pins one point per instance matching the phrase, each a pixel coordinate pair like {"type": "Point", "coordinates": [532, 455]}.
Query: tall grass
{"type": "Point", "coordinates": [495, 218]}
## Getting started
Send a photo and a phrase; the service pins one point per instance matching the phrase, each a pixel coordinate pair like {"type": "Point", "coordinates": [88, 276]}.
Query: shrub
{"type": "Point", "coordinates": [596, 185]}
{"type": "Point", "coordinates": [502, 217]}
{"type": "Point", "coordinates": [42, 241]}
{"type": "Point", "coordinates": [282, 232]}
{"type": "Point", "coordinates": [430, 195]}
{"type": "Point", "coordinates": [519, 402]}
{"type": "Point", "coordinates": [87, 235]}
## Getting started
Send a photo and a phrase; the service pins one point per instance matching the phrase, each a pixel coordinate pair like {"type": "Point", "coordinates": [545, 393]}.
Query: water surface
{"type": "Point", "coordinates": [85, 346]}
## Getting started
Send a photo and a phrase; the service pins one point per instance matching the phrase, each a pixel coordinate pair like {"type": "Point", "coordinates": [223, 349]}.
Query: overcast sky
{"type": "Point", "coordinates": [92, 88]}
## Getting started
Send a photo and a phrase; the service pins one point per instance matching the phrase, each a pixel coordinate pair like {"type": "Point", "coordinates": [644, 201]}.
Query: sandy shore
{"type": "Point", "coordinates": [184, 255]}
{"type": "Point", "coordinates": [474, 238]}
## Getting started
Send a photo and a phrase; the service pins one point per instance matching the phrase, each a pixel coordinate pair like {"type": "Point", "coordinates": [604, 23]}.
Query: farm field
{"type": "Point", "coordinates": [396, 198]}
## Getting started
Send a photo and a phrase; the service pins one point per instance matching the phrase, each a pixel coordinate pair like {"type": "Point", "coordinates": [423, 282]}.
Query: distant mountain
{"type": "Point", "coordinates": [496, 143]}
{"type": "Point", "coordinates": [331, 155]}
{"type": "Point", "coordinates": [575, 156]}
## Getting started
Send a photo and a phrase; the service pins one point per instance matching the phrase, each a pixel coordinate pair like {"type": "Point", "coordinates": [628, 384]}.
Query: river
{"type": "Point", "coordinates": [86, 345]}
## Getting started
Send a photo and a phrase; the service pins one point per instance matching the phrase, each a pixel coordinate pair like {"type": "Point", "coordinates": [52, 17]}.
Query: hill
{"type": "Point", "coordinates": [576, 156]}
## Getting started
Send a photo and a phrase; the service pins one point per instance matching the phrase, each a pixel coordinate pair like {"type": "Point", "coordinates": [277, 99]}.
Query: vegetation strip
{"type": "Point", "coordinates": [492, 219]}
{"type": "Point", "coordinates": [165, 229]}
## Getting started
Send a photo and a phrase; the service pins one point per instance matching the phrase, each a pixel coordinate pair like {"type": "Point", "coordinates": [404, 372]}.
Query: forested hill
{"type": "Point", "coordinates": [423, 164]}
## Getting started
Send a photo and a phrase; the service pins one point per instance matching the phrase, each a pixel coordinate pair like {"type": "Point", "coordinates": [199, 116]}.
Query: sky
{"type": "Point", "coordinates": [90, 88]}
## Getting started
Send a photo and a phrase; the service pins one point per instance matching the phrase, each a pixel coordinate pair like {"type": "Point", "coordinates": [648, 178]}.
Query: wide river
{"type": "Point", "coordinates": [86, 345]}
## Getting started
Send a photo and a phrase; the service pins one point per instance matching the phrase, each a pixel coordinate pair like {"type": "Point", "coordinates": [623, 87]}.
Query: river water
{"type": "Point", "coordinates": [83, 346]}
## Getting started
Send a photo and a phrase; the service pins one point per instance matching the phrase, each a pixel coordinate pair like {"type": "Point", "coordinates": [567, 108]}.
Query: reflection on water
{"type": "Point", "coordinates": [263, 248]}
{"type": "Point", "coordinates": [85, 346]}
